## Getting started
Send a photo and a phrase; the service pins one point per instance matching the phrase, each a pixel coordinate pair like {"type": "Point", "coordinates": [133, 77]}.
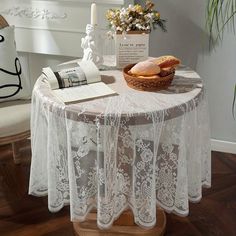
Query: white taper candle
{"type": "Point", "coordinates": [93, 14]}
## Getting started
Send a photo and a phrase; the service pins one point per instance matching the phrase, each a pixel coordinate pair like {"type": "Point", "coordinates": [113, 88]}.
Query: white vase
{"type": "Point", "coordinates": [131, 47]}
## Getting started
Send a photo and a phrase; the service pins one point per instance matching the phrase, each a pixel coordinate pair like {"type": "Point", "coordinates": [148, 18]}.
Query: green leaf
{"type": "Point", "coordinates": [219, 14]}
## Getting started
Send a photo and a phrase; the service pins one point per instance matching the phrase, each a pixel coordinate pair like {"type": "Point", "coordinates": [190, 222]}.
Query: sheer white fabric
{"type": "Point", "coordinates": [136, 150]}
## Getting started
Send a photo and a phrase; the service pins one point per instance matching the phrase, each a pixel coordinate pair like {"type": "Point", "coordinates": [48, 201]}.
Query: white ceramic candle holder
{"type": "Point", "coordinates": [92, 45]}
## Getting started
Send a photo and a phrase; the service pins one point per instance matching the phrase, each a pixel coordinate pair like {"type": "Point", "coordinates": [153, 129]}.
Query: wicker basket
{"type": "Point", "coordinates": [147, 84]}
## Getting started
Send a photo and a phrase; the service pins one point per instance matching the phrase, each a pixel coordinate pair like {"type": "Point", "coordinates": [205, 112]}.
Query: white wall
{"type": "Point", "coordinates": [49, 32]}
{"type": "Point", "coordinates": [54, 27]}
{"type": "Point", "coordinates": [187, 39]}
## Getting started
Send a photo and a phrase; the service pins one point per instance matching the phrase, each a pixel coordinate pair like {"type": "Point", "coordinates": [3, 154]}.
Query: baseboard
{"type": "Point", "coordinates": [223, 146]}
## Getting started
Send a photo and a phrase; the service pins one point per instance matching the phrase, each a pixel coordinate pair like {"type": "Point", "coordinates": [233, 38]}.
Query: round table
{"type": "Point", "coordinates": [136, 151]}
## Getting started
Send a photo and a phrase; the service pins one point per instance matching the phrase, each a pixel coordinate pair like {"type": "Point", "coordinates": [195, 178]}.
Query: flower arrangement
{"type": "Point", "coordinates": [135, 18]}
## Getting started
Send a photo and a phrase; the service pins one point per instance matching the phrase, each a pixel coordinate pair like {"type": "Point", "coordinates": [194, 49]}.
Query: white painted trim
{"type": "Point", "coordinates": [68, 30]}
{"type": "Point", "coordinates": [223, 146]}
{"type": "Point", "coordinates": [81, 31]}
{"type": "Point", "coordinates": [113, 2]}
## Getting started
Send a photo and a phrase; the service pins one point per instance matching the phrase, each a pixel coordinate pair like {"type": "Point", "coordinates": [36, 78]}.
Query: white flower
{"type": "Point", "coordinates": [122, 15]}
{"type": "Point", "coordinates": [149, 15]}
{"type": "Point", "coordinates": [138, 26]}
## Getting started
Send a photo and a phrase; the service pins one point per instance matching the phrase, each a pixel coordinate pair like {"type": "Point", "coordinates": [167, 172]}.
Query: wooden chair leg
{"type": "Point", "coordinates": [16, 153]}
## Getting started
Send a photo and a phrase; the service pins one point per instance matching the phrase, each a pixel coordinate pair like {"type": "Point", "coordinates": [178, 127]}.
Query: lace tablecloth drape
{"type": "Point", "coordinates": [136, 150]}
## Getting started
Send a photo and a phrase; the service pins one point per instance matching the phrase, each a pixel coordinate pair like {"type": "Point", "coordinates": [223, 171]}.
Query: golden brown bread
{"type": "Point", "coordinates": [166, 71]}
{"type": "Point", "coordinates": [155, 68]}
{"type": "Point", "coordinates": [166, 61]}
{"type": "Point", "coordinates": [145, 68]}
{"type": "Point", "coordinates": [148, 76]}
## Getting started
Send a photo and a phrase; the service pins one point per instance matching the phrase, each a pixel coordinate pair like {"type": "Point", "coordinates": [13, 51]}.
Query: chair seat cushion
{"type": "Point", "coordinates": [14, 117]}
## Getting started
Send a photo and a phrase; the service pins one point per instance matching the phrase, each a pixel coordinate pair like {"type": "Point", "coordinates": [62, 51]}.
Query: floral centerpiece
{"type": "Point", "coordinates": [135, 18]}
{"type": "Point", "coordinates": [131, 27]}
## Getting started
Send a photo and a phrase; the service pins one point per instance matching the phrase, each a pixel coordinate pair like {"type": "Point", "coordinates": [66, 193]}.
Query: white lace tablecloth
{"type": "Point", "coordinates": [137, 150]}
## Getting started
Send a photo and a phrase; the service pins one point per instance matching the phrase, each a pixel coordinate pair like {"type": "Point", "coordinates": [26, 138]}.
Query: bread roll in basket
{"type": "Point", "coordinates": [147, 83]}
{"type": "Point", "coordinates": [151, 75]}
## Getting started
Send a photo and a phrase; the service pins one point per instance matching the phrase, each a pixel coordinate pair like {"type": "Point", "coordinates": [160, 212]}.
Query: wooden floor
{"type": "Point", "coordinates": [24, 215]}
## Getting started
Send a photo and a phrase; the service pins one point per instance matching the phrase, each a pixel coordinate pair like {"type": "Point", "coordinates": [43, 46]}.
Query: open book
{"type": "Point", "coordinates": [74, 82]}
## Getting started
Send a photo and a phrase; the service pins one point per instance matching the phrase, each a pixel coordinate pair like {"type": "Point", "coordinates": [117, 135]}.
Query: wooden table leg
{"type": "Point", "coordinates": [124, 226]}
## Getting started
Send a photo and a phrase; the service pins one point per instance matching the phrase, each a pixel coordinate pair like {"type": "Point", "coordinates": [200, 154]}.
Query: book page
{"type": "Point", "coordinates": [82, 93]}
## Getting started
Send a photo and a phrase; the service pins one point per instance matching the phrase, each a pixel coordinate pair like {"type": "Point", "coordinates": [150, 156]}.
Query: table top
{"type": "Point", "coordinates": [186, 89]}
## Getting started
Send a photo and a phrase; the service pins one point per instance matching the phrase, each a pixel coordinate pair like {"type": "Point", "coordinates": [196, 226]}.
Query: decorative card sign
{"type": "Point", "coordinates": [131, 48]}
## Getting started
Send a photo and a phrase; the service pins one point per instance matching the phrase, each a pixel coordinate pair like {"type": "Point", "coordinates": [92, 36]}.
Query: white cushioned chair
{"type": "Point", "coordinates": [14, 119]}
